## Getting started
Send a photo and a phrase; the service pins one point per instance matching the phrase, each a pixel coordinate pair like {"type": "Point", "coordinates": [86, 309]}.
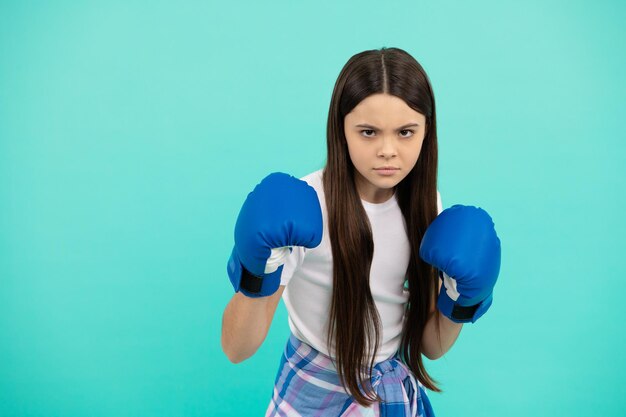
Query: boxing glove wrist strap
{"type": "Point", "coordinates": [249, 282]}
{"type": "Point", "coordinates": [464, 313]}
{"type": "Point", "coordinates": [452, 305]}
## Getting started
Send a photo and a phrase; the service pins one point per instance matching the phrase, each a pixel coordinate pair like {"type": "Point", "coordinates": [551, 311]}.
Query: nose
{"type": "Point", "coordinates": [388, 148]}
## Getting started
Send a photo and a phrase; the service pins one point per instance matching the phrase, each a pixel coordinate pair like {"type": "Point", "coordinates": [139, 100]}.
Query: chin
{"type": "Point", "coordinates": [386, 184]}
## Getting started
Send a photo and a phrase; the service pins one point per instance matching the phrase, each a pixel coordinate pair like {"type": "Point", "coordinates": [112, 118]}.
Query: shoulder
{"type": "Point", "coordinates": [439, 203]}
{"type": "Point", "coordinates": [314, 179]}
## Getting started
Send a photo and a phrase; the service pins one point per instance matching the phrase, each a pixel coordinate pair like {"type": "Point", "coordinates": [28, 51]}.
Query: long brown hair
{"type": "Point", "coordinates": [354, 323]}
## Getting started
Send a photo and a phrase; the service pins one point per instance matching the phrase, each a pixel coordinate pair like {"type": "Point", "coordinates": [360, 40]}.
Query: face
{"type": "Point", "coordinates": [383, 131]}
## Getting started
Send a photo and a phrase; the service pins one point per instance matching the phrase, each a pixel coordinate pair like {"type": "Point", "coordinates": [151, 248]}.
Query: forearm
{"type": "Point", "coordinates": [244, 326]}
{"type": "Point", "coordinates": [432, 347]}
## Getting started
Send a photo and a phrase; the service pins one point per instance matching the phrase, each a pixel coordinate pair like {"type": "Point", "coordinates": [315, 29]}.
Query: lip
{"type": "Point", "coordinates": [386, 168]}
{"type": "Point", "coordinates": [386, 171]}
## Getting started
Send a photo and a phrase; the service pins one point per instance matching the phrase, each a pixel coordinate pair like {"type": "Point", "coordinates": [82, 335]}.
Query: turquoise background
{"type": "Point", "coordinates": [131, 133]}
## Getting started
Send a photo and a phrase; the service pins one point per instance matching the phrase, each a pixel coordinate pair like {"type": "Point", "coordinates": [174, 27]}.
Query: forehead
{"type": "Point", "coordinates": [384, 109]}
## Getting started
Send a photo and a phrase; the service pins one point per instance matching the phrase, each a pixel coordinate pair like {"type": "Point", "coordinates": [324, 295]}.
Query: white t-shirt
{"type": "Point", "coordinates": [308, 276]}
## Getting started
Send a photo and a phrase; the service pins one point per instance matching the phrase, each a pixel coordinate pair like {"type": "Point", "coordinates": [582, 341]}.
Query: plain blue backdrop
{"type": "Point", "coordinates": [132, 131]}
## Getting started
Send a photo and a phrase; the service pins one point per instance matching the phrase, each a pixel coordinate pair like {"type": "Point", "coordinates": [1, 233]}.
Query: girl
{"type": "Point", "coordinates": [359, 251]}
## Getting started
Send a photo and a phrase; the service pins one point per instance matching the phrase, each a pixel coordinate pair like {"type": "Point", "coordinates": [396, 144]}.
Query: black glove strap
{"type": "Point", "coordinates": [249, 282]}
{"type": "Point", "coordinates": [464, 312]}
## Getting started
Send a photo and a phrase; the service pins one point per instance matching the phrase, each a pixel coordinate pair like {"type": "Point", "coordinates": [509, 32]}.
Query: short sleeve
{"type": "Point", "coordinates": [291, 265]}
{"type": "Point", "coordinates": [439, 205]}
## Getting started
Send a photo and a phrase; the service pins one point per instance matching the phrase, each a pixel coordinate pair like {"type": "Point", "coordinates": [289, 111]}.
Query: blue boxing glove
{"type": "Point", "coordinates": [463, 245]}
{"type": "Point", "coordinates": [282, 211]}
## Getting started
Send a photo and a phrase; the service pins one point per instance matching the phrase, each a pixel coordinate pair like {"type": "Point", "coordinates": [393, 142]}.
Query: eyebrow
{"type": "Point", "coordinates": [374, 127]}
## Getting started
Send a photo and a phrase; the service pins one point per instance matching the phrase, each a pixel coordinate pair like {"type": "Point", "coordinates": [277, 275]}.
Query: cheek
{"type": "Point", "coordinates": [417, 151]}
{"type": "Point", "coordinates": [356, 151]}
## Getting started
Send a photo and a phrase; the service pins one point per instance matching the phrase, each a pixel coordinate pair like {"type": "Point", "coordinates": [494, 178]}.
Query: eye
{"type": "Point", "coordinates": [367, 135]}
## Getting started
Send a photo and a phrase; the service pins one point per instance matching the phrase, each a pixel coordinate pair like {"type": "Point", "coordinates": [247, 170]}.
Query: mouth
{"type": "Point", "coordinates": [386, 171]}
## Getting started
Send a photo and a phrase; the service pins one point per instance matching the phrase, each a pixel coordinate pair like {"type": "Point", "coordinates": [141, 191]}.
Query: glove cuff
{"type": "Point", "coordinates": [249, 284]}
{"type": "Point", "coordinates": [459, 313]}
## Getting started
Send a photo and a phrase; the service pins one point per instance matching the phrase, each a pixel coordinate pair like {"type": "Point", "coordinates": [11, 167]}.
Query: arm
{"type": "Point", "coordinates": [282, 212]}
{"type": "Point", "coordinates": [245, 324]}
{"type": "Point", "coordinates": [461, 242]}
{"type": "Point", "coordinates": [432, 347]}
